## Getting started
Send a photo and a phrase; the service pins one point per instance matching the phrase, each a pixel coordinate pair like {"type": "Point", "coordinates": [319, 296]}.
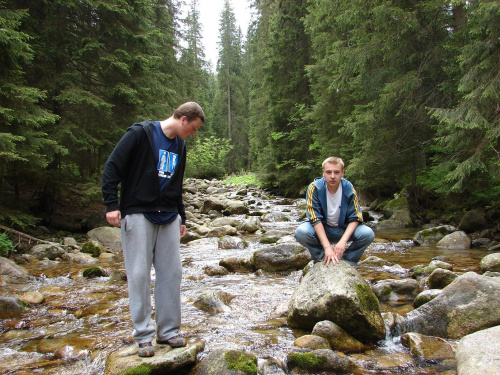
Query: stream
{"type": "Point", "coordinates": [82, 321]}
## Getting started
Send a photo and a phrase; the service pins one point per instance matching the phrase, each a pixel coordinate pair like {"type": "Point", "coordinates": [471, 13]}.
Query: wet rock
{"type": "Point", "coordinates": [80, 258]}
{"type": "Point", "coordinates": [394, 362]}
{"type": "Point", "coordinates": [222, 221]}
{"type": "Point", "coordinates": [427, 347]}
{"type": "Point", "coordinates": [212, 203]}
{"type": "Point", "coordinates": [215, 271]}
{"type": "Point", "coordinates": [396, 289]}
{"type": "Point", "coordinates": [432, 236]}
{"type": "Point", "coordinates": [12, 270]}
{"type": "Point", "coordinates": [469, 304]}
{"type": "Point", "coordinates": [213, 302]}
{"type": "Point", "coordinates": [274, 217]}
{"type": "Point", "coordinates": [232, 362]}
{"type": "Point", "coordinates": [440, 278]}
{"type": "Point", "coordinates": [426, 296]}
{"type": "Point", "coordinates": [312, 342]}
{"type": "Point", "coordinates": [491, 263]}
{"type": "Point", "coordinates": [234, 264]}
{"type": "Point", "coordinates": [338, 294]}
{"type": "Point", "coordinates": [10, 308]}
{"type": "Point", "coordinates": [398, 213]}
{"type": "Point", "coordinates": [472, 221]}
{"type": "Point", "coordinates": [270, 366]}
{"type": "Point", "coordinates": [231, 242]}
{"type": "Point", "coordinates": [374, 261]}
{"type": "Point", "coordinates": [47, 251]}
{"type": "Point", "coordinates": [391, 320]}
{"type": "Point", "coordinates": [477, 353]}
{"type": "Point", "coordinates": [225, 230]}
{"type": "Point", "coordinates": [455, 240]}
{"type": "Point", "coordinates": [107, 236]}
{"type": "Point", "coordinates": [337, 338]}
{"type": "Point", "coordinates": [92, 247]}
{"type": "Point", "coordinates": [70, 242]}
{"type": "Point", "coordinates": [420, 270]}
{"type": "Point", "coordinates": [92, 272]}
{"type": "Point", "coordinates": [165, 361]}
{"type": "Point", "coordinates": [233, 207]}
{"type": "Point", "coordinates": [281, 257]}
{"type": "Point", "coordinates": [319, 361]}
{"type": "Point", "coordinates": [68, 353]}
{"type": "Point", "coordinates": [32, 298]}
{"type": "Point", "coordinates": [250, 225]}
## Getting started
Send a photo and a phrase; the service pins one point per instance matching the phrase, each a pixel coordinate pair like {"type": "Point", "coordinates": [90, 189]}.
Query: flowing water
{"type": "Point", "coordinates": [83, 320]}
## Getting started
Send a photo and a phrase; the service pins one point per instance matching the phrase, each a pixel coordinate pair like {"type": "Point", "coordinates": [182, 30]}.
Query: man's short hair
{"type": "Point", "coordinates": [191, 110]}
{"type": "Point", "coordinates": [333, 160]}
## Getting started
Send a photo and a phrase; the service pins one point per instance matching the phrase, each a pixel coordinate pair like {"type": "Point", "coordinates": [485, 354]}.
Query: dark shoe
{"type": "Point", "coordinates": [146, 349]}
{"type": "Point", "coordinates": [174, 342]}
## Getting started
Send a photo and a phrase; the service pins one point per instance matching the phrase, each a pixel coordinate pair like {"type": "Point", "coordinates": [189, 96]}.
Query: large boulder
{"type": "Point", "coordinates": [469, 304]}
{"type": "Point", "coordinates": [338, 294]}
{"type": "Point", "coordinates": [432, 236]}
{"type": "Point", "coordinates": [107, 236]}
{"type": "Point", "coordinates": [472, 221]}
{"type": "Point", "coordinates": [398, 213]}
{"type": "Point", "coordinates": [491, 263]}
{"type": "Point", "coordinates": [477, 353]}
{"type": "Point", "coordinates": [455, 240]}
{"type": "Point", "coordinates": [12, 270]}
{"type": "Point", "coordinates": [282, 257]}
{"type": "Point", "coordinates": [10, 308]}
{"type": "Point", "coordinates": [48, 251]}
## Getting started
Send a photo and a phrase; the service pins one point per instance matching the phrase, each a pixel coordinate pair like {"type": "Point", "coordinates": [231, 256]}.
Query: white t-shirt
{"type": "Point", "coordinates": [333, 203]}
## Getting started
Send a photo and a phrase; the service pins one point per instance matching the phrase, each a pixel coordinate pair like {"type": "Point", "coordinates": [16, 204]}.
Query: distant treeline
{"type": "Point", "coordinates": [406, 92]}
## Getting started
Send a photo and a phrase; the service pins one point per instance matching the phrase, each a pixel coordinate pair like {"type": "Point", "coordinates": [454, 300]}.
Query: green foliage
{"type": "Point", "coordinates": [206, 158]}
{"type": "Point", "coordinates": [6, 245]}
{"type": "Point", "coordinates": [242, 180]}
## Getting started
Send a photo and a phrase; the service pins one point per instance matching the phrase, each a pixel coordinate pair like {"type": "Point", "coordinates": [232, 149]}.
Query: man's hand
{"type": "Point", "coordinates": [183, 230]}
{"type": "Point", "coordinates": [114, 218]}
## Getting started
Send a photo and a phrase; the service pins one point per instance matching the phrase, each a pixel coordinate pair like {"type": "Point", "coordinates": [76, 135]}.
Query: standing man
{"type": "Point", "coordinates": [334, 215]}
{"type": "Point", "coordinates": [149, 163]}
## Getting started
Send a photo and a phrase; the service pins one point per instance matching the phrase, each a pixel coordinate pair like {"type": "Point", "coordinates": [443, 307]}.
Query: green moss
{"type": "Point", "coordinates": [139, 370]}
{"type": "Point", "coordinates": [90, 248]}
{"type": "Point", "coordinates": [366, 296]}
{"type": "Point", "coordinates": [308, 361]}
{"type": "Point", "coordinates": [241, 361]}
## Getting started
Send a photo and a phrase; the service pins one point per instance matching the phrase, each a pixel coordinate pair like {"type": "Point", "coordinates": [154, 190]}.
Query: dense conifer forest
{"type": "Point", "coordinates": [407, 92]}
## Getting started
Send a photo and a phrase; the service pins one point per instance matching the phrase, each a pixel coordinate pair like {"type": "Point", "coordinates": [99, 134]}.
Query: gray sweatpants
{"type": "Point", "coordinates": [145, 244]}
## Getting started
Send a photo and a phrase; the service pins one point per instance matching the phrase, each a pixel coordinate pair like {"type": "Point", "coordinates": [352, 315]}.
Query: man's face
{"type": "Point", "coordinates": [333, 173]}
{"type": "Point", "coordinates": [189, 128]}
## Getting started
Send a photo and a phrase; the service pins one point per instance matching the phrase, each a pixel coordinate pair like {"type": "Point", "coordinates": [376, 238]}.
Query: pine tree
{"type": "Point", "coordinates": [230, 102]}
{"type": "Point", "coordinates": [25, 148]}
{"type": "Point", "coordinates": [467, 152]}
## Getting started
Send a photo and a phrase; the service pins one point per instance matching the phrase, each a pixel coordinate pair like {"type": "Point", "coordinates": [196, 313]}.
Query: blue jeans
{"type": "Point", "coordinates": [361, 238]}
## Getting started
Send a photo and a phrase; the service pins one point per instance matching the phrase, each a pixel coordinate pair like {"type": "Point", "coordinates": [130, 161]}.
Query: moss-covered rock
{"type": "Point", "coordinates": [93, 248]}
{"type": "Point", "coordinates": [93, 272]}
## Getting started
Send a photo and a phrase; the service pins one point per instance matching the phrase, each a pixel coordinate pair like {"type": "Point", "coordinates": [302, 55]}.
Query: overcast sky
{"type": "Point", "coordinates": [209, 12]}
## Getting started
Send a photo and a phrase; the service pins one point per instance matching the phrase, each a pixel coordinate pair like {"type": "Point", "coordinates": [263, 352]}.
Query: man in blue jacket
{"type": "Point", "coordinates": [149, 163]}
{"type": "Point", "coordinates": [333, 215]}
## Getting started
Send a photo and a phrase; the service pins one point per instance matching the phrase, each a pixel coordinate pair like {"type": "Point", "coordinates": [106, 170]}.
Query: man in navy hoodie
{"type": "Point", "coordinates": [149, 163]}
{"type": "Point", "coordinates": [333, 215]}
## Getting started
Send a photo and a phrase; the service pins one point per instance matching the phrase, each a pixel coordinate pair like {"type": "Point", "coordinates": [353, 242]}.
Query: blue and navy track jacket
{"type": "Point", "coordinates": [317, 205]}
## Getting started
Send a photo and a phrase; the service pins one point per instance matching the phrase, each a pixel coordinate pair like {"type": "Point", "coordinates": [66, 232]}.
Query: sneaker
{"type": "Point", "coordinates": [146, 349]}
{"type": "Point", "coordinates": [174, 342]}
